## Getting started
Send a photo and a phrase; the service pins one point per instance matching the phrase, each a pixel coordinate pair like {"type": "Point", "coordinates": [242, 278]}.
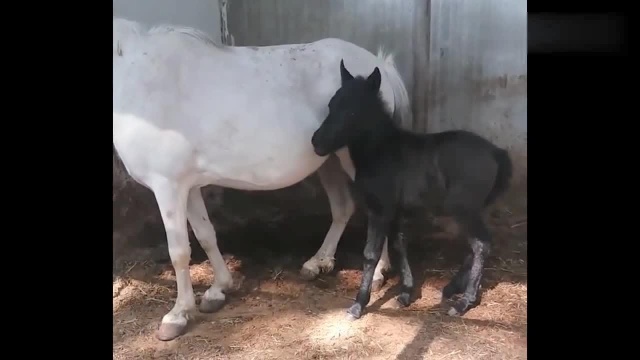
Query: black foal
{"type": "Point", "coordinates": [402, 176]}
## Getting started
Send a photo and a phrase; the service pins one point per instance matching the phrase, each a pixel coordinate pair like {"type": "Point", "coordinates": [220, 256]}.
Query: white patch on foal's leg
{"type": "Point", "coordinates": [335, 183]}
{"type": "Point", "coordinates": [214, 298]}
{"type": "Point", "coordinates": [383, 265]}
{"type": "Point", "coordinates": [172, 201]}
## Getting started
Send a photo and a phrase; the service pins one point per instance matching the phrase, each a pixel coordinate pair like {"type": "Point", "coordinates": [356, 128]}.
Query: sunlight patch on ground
{"type": "Point", "coordinates": [366, 336]}
{"type": "Point", "coordinates": [334, 326]}
{"type": "Point", "coordinates": [143, 345]}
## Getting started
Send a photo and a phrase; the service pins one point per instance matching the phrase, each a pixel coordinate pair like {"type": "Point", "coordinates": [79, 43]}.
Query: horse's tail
{"type": "Point", "coordinates": [124, 33]}
{"type": "Point", "coordinates": [503, 177]}
{"type": "Point", "coordinates": [402, 105]}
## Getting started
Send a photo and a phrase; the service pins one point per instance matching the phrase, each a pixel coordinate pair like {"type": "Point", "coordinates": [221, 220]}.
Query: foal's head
{"type": "Point", "coordinates": [349, 110]}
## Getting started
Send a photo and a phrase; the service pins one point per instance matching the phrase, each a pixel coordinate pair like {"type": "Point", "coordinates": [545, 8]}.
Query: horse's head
{"type": "Point", "coordinates": [348, 111]}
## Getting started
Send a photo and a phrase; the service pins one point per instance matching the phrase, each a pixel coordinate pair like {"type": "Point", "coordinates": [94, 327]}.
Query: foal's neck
{"type": "Point", "coordinates": [373, 139]}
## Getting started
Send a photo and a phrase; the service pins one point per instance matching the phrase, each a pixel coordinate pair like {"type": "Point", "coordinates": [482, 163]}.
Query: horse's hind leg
{"type": "Point", "coordinates": [336, 184]}
{"type": "Point", "coordinates": [172, 202]}
{"type": "Point", "coordinates": [214, 298]}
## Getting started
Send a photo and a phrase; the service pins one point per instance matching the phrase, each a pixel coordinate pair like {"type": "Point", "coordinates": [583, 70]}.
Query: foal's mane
{"type": "Point", "coordinates": [383, 107]}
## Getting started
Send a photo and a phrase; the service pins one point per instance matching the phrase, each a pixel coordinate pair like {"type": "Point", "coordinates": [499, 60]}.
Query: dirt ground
{"type": "Point", "coordinates": [273, 314]}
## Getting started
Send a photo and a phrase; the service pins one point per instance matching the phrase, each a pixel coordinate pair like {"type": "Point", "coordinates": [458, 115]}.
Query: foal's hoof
{"type": "Point", "coordinates": [376, 285]}
{"type": "Point", "coordinates": [459, 307]}
{"type": "Point", "coordinates": [354, 312]}
{"type": "Point", "coordinates": [404, 299]}
{"type": "Point", "coordinates": [210, 306]}
{"type": "Point", "coordinates": [169, 331]}
{"type": "Point", "coordinates": [448, 292]}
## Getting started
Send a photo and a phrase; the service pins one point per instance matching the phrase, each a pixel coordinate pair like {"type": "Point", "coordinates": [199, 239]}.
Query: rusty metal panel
{"type": "Point", "coordinates": [478, 70]}
{"type": "Point", "coordinates": [370, 24]}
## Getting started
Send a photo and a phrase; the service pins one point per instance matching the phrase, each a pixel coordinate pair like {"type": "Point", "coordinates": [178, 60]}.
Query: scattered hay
{"type": "Point", "coordinates": [272, 314]}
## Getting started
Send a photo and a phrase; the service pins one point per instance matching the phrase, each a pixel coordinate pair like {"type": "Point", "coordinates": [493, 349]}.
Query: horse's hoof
{"type": "Point", "coordinates": [210, 306]}
{"type": "Point", "coordinates": [308, 274]}
{"type": "Point", "coordinates": [350, 318]}
{"type": "Point", "coordinates": [355, 311]}
{"type": "Point", "coordinates": [376, 285]}
{"type": "Point", "coordinates": [169, 331]}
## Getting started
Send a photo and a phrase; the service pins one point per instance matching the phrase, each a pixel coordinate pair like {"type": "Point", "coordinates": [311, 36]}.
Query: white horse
{"type": "Point", "coordinates": [190, 112]}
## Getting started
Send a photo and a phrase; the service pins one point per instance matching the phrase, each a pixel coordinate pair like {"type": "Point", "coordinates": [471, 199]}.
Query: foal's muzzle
{"type": "Point", "coordinates": [319, 150]}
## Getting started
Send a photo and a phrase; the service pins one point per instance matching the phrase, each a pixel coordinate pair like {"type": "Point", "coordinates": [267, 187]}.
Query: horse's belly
{"type": "Point", "coordinates": [260, 157]}
{"type": "Point", "coordinates": [270, 170]}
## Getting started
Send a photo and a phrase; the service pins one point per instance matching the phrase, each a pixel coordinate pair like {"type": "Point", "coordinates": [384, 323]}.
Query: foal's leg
{"type": "Point", "coordinates": [377, 229]}
{"type": "Point", "coordinates": [480, 242]}
{"type": "Point", "coordinates": [460, 280]}
{"type": "Point", "coordinates": [336, 184]}
{"type": "Point", "coordinates": [399, 241]}
{"type": "Point", "coordinates": [383, 265]}
{"type": "Point", "coordinates": [214, 298]}
{"type": "Point", "coordinates": [172, 202]}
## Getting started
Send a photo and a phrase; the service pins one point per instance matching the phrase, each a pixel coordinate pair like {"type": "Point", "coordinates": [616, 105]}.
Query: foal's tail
{"type": "Point", "coordinates": [124, 33]}
{"type": "Point", "coordinates": [505, 171]}
{"type": "Point", "coordinates": [402, 105]}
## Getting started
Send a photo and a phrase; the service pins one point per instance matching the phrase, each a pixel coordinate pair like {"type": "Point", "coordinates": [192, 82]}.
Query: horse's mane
{"type": "Point", "coordinates": [184, 30]}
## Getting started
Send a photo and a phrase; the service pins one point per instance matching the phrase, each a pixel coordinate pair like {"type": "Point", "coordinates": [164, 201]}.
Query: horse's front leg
{"type": "Point", "coordinates": [377, 230]}
{"type": "Point", "coordinates": [172, 202]}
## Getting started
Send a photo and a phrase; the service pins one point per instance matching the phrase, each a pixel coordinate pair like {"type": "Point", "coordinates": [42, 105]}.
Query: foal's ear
{"type": "Point", "coordinates": [374, 79]}
{"type": "Point", "coordinates": [345, 75]}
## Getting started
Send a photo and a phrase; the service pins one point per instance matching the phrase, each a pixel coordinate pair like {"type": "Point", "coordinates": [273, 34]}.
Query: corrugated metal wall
{"type": "Point", "coordinates": [464, 62]}
{"type": "Point", "coordinates": [370, 24]}
{"type": "Point", "coordinates": [477, 71]}
{"type": "Point", "coordinates": [201, 14]}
